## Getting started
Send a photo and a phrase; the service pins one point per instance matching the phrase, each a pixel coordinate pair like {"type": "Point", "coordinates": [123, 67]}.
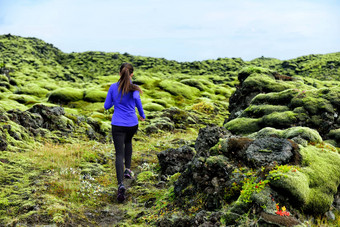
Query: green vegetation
{"type": "Point", "coordinates": [315, 184]}
{"type": "Point", "coordinates": [59, 169]}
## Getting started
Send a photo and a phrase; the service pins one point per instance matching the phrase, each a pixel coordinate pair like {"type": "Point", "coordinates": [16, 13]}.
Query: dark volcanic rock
{"type": "Point", "coordinates": [260, 152]}
{"type": "Point", "coordinates": [26, 119]}
{"type": "Point", "coordinates": [41, 116]}
{"type": "Point", "coordinates": [46, 112]}
{"type": "Point", "coordinates": [51, 117]}
{"type": "Point", "coordinates": [208, 137]}
{"type": "Point", "coordinates": [174, 160]}
{"type": "Point", "coordinates": [268, 150]}
{"type": "Point", "coordinates": [207, 176]}
{"type": "Point", "coordinates": [3, 141]}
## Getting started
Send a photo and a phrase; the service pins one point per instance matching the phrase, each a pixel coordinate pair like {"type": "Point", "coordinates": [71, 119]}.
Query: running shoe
{"type": "Point", "coordinates": [121, 193]}
{"type": "Point", "coordinates": [128, 174]}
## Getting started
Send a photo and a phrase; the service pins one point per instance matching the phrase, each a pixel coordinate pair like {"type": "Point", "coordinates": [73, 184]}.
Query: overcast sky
{"type": "Point", "coordinates": [182, 30]}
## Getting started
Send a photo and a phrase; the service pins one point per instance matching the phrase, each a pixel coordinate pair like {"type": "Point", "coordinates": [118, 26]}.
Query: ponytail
{"type": "Point", "coordinates": [125, 85]}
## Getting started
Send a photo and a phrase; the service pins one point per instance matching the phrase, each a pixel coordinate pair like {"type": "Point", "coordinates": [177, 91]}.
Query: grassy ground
{"type": "Point", "coordinates": [76, 183]}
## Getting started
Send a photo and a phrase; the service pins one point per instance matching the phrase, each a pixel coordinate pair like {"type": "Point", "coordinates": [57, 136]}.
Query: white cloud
{"type": "Point", "coordinates": [181, 30]}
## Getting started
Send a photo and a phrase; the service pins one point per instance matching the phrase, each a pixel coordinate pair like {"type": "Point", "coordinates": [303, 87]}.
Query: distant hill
{"type": "Point", "coordinates": [35, 54]}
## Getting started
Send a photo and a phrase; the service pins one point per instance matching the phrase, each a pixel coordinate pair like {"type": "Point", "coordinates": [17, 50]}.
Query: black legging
{"type": "Point", "coordinates": [122, 138]}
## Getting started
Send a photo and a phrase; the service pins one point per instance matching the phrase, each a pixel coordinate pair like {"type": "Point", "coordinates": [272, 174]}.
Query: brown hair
{"type": "Point", "coordinates": [125, 85]}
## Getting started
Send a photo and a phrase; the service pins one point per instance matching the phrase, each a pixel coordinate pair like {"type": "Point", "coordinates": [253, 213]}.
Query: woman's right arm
{"type": "Point", "coordinates": [138, 102]}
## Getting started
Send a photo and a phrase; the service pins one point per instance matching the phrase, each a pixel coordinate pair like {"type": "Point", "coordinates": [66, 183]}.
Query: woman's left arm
{"type": "Point", "coordinates": [108, 101]}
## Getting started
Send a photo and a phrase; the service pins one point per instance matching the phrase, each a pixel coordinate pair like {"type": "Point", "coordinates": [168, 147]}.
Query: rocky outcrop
{"type": "Point", "coordinates": [264, 99]}
{"type": "Point", "coordinates": [174, 160]}
{"type": "Point", "coordinates": [208, 137]}
{"type": "Point", "coordinates": [41, 116]}
{"type": "Point", "coordinates": [42, 122]}
{"type": "Point", "coordinates": [258, 172]}
{"type": "Point", "coordinates": [259, 152]}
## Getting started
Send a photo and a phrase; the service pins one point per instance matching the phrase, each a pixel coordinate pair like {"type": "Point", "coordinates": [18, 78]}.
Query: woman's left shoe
{"type": "Point", "coordinates": [128, 174]}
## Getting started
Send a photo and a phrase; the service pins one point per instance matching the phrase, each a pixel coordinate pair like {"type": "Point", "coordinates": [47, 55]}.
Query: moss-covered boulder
{"type": "Point", "coordinates": [32, 89]}
{"type": "Point", "coordinates": [313, 186]}
{"type": "Point", "coordinates": [160, 124]}
{"type": "Point", "coordinates": [153, 107]}
{"type": "Point", "coordinates": [305, 133]}
{"type": "Point", "coordinates": [267, 99]}
{"type": "Point", "coordinates": [65, 95]}
{"type": "Point", "coordinates": [94, 96]}
{"type": "Point", "coordinates": [193, 83]}
{"type": "Point", "coordinates": [243, 125]}
{"type": "Point", "coordinates": [179, 89]}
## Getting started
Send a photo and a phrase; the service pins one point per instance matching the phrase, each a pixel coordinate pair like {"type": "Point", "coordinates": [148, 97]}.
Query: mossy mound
{"type": "Point", "coordinates": [94, 96]}
{"type": "Point", "coordinates": [305, 133]}
{"type": "Point", "coordinates": [65, 95]}
{"type": "Point", "coordinates": [32, 89]}
{"type": "Point", "coordinates": [23, 99]}
{"type": "Point", "coordinates": [4, 78]}
{"type": "Point", "coordinates": [243, 125]}
{"type": "Point", "coordinates": [313, 186]}
{"type": "Point", "coordinates": [177, 88]}
{"type": "Point", "coordinates": [193, 83]}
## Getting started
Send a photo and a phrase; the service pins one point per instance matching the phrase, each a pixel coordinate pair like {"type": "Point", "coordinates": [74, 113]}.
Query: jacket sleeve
{"type": "Point", "coordinates": [109, 100]}
{"type": "Point", "coordinates": [138, 102]}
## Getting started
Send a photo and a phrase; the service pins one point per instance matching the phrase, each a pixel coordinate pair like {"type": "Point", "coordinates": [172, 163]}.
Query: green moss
{"type": "Point", "coordinates": [193, 83]}
{"type": "Point", "coordinates": [279, 119]}
{"type": "Point", "coordinates": [335, 135]}
{"type": "Point", "coordinates": [253, 69]}
{"type": "Point", "coordinates": [9, 104]}
{"type": "Point", "coordinates": [144, 80]}
{"type": "Point", "coordinates": [243, 125]}
{"type": "Point", "coordinates": [3, 89]}
{"type": "Point", "coordinates": [204, 107]}
{"type": "Point", "coordinates": [50, 86]}
{"type": "Point", "coordinates": [306, 133]}
{"type": "Point", "coordinates": [275, 98]}
{"type": "Point", "coordinates": [146, 177]}
{"type": "Point", "coordinates": [17, 176]}
{"type": "Point", "coordinates": [260, 110]}
{"type": "Point", "coordinates": [219, 160]}
{"type": "Point", "coordinates": [23, 99]}
{"type": "Point", "coordinates": [312, 188]}
{"type": "Point", "coordinates": [4, 78]}
{"type": "Point", "coordinates": [153, 107]}
{"type": "Point", "coordinates": [95, 96]}
{"type": "Point", "coordinates": [176, 88]}
{"type": "Point", "coordinates": [223, 91]}
{"type": "Point", "coordinates": [161, 102]}
{"type": "Point", "coordinates": [312, 103]}
{"type": "Point", "coordinates": [33, 89]}
{"type": "Point", "coordinates": [65, 95]}
{"type": "Point", "coordinates": [92, 169]}
{"type": "Point", "coordinates": [267, 83]}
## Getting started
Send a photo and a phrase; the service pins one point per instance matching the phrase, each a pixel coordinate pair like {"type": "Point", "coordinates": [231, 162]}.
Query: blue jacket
{"type": "Point", "coordinates": [125, 107]}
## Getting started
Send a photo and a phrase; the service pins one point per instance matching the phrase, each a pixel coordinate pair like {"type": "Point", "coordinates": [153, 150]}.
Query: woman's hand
{"type": "Point", "coordinates": [140, 118]}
